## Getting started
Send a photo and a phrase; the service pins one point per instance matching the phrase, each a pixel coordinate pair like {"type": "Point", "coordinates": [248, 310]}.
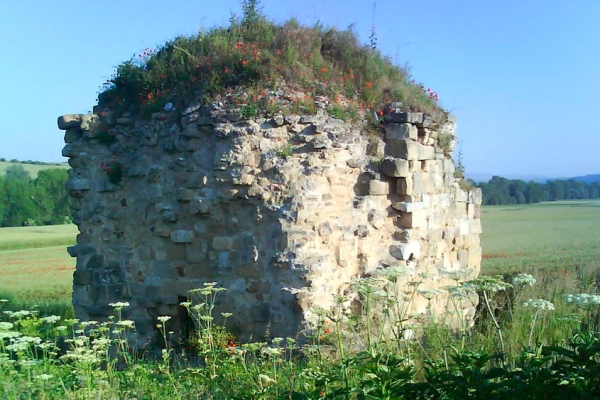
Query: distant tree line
{"type": "Point", "coordinates": [15, 161]}
{"type": "Point", "coordinates": [40, 201]}
{"type": "Point", "coordinates": [500, 190]}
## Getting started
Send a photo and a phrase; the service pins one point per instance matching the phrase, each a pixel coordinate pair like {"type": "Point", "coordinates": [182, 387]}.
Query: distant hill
{"type": "Point", "coordinates": [587, 178]}
{"type": "Point", "coordinates": [477, 177]}
{"type": "Point", "coordinates": [33, 169]}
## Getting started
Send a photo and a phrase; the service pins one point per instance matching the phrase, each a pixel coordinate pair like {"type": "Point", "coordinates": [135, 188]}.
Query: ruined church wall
{"type": "Point", "coordinates": [283, 212]}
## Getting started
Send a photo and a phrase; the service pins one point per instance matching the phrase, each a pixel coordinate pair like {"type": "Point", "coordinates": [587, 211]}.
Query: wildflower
{"type": "Point", "coordinates": [583, 299]}
{"type": "Point", "coordinates": [50, 319]}
{"type": "Point", "coordinates": [429, 294]}
{"type": "Point", "coordinates": [265, 380]}
{"type": "Point", "coordinates": [368, 84]}
{"type": "Point", "coordinates": [539, 304]}
{"type": "Point", "coordinates": [44, 377]}
{"type": "Point", "coordinates": [119, 305]}
{"type": "Point", "coordinates": [126, 323]}
{"type": "Point", "coordinates": [164, 318]}
{"type": "Point", "coordinates": [457, 274]}
{"type": "Point", "coordinates": [226, 315]}
{"type": "Point", "coordinates": [488, 284]}
{"type": "Point", "coordinates": [323, 70]}
{"type": "Point", "coordinates": [5, 326]}
{"type": "Point", "coordinates": [523, 280]}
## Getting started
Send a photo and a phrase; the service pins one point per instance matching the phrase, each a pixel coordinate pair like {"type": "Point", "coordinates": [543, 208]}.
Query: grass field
{"type": "Point", "coordinates": [36, 268]}
{"type": "Point", "coordinates": [554, 236]}
{"type": "Point", "coordinates": [31, 168]}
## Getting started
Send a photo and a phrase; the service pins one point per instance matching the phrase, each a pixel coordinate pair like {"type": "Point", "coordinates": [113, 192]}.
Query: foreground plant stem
{"type": "Point", "coordinates": [494, 320]}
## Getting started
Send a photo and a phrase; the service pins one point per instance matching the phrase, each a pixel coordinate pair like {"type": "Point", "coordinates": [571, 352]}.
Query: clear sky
{"type": "Point", "coordinates": [523, 77]}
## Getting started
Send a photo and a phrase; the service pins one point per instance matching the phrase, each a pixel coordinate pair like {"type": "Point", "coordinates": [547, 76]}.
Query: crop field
{"type": "Point", "coordinates": [552, 237]}
{"type": "Point", "coordinates": [544, 324]}
{"type": "Point", "coordinates": [33, 169]}
{"type": "Point", "coordinates": [35, 266]}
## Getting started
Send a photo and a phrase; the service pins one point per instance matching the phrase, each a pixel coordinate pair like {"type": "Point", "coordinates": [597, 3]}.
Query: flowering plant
{"type": "Point", "coordinates": [114, 171]}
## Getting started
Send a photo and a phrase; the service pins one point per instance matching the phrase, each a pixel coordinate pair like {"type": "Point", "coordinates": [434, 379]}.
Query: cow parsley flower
{"type": "Point", "coordinates": [583, 299]}
{"type": "Point", "coordinates": [539, 304]}
{"type": "Point", "coordinates": [524, 280]}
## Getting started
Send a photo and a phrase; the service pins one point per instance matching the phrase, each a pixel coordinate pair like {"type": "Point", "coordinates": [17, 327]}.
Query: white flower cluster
{"type": "Point", "coordinates": [524, 280]}
{"type": "Point", "coordinates": [429, 294]}
{"type": "Point", "coordinates": [457, 274]}
{"type": "Point", "coordinates": [488, 284]}
{"type": "Point", "coordinates": [539, 304]}
{"type": "Point", "coordinates": [119, 305]}
{"type": "Point", "coordinates": [583, 299]}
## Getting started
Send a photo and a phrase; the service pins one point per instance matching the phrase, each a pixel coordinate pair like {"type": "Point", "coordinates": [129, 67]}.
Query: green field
{"type": "Point", "coordinates": [31, 168]}
{"type": "Point", "coordinates": [35, 266]}
{"type": "Point", "coordinates": [555, 236]}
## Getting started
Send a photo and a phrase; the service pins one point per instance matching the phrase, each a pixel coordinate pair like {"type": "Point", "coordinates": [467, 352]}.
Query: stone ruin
{"type": "Point", "coordinates": [283, 212]}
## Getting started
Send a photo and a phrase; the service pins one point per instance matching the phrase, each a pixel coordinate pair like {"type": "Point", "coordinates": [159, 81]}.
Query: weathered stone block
{"type": "Point", "coordinates": [413, 220]}
{"type": "Point", "coordinates": [408, 207]}
{"type": "Point", "coordinates": [78, 184]}
{"type": "Point", "coordinates": [406, 251]}
{"type": "Point", "coordinates": [409, 150]}
{"type": "Point", "coordinates": [407, 117]}
{"type": "Point", "coordinates": [404, 131]}
{"type": "Point", "coordinates": [81, 250]}
{"type": "Point", "coordinates": [72, 135]}
{"type": "Point", "coordinates": [378, 188]}
{"type": "Point", "coordinates": [184, 195]}
{"type": "Point", "coordinates": [395, 167]}
{"type": "Point", "coordinates": [223, 242]}
{"type": "Point", "coordinates": [182, 236]}
{"type": "Point", "coordinates": [475, 257]}
{"type": "Point", "coordinates": [475, 196]}
{"type": "Point", "coordinates": [404, 186]}
{"type": "Point", "coordinates": [71, 150]}
{"type": "Point", "coordinates": [69, 121]}
{"type": "Point", "coordinates": [475, 226]}
{"type": "Point", "coordinates": [197, 252]}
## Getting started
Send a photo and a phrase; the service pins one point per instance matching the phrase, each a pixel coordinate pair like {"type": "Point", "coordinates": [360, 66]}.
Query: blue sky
{"type": "Point", "coordinates": [521, 76]}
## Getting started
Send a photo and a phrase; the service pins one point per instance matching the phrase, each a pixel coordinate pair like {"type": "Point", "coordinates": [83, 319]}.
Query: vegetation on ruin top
{"type": "Point", "coordinates": [252, 59]}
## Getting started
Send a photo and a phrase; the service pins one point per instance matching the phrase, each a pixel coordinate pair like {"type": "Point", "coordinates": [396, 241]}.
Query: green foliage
{"type": "Point", "coordinates": [114, 171]}
{"type": "Point", "coordinates": [285, 151]}
{"type": "Point", "coordinates": [249, 111]}
{"type": "Point", "coordinates": [339, 112]}
{"type": "Point", "coordinates": [498, 191]}
{"type": "Point", "coordinates": [17, 172]}
{"type": "Point", "coordinates": [256, 53]}
{"type": "Point", "coordinates": [105, 135]}
{"type": "Point", "coordinates": [41, 201]}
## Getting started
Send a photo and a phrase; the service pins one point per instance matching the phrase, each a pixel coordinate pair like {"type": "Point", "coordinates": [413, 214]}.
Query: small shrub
{"type": "Point", "coordinates": [105, 135]}
{"type": "Point", "coordinates": [445, 141]}
{"type": "Point", "coordinates": [285, 151]}
{"type": "Point", "coordinates": [249, 111]}
{"type": "Point", "coordinates": [304, 107]}
{"type": "Point", "coordinates": [339, 112]}
{"type": "Point", "coordinates": [114, 171]}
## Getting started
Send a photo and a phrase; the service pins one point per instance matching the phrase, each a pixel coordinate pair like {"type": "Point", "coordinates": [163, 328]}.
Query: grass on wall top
{"type": "Point", "coordinates": [258, 55]}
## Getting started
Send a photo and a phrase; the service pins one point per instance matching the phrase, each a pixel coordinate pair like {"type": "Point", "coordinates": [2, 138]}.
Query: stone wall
{"type": "Point", "coordinates": [283, 212]}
